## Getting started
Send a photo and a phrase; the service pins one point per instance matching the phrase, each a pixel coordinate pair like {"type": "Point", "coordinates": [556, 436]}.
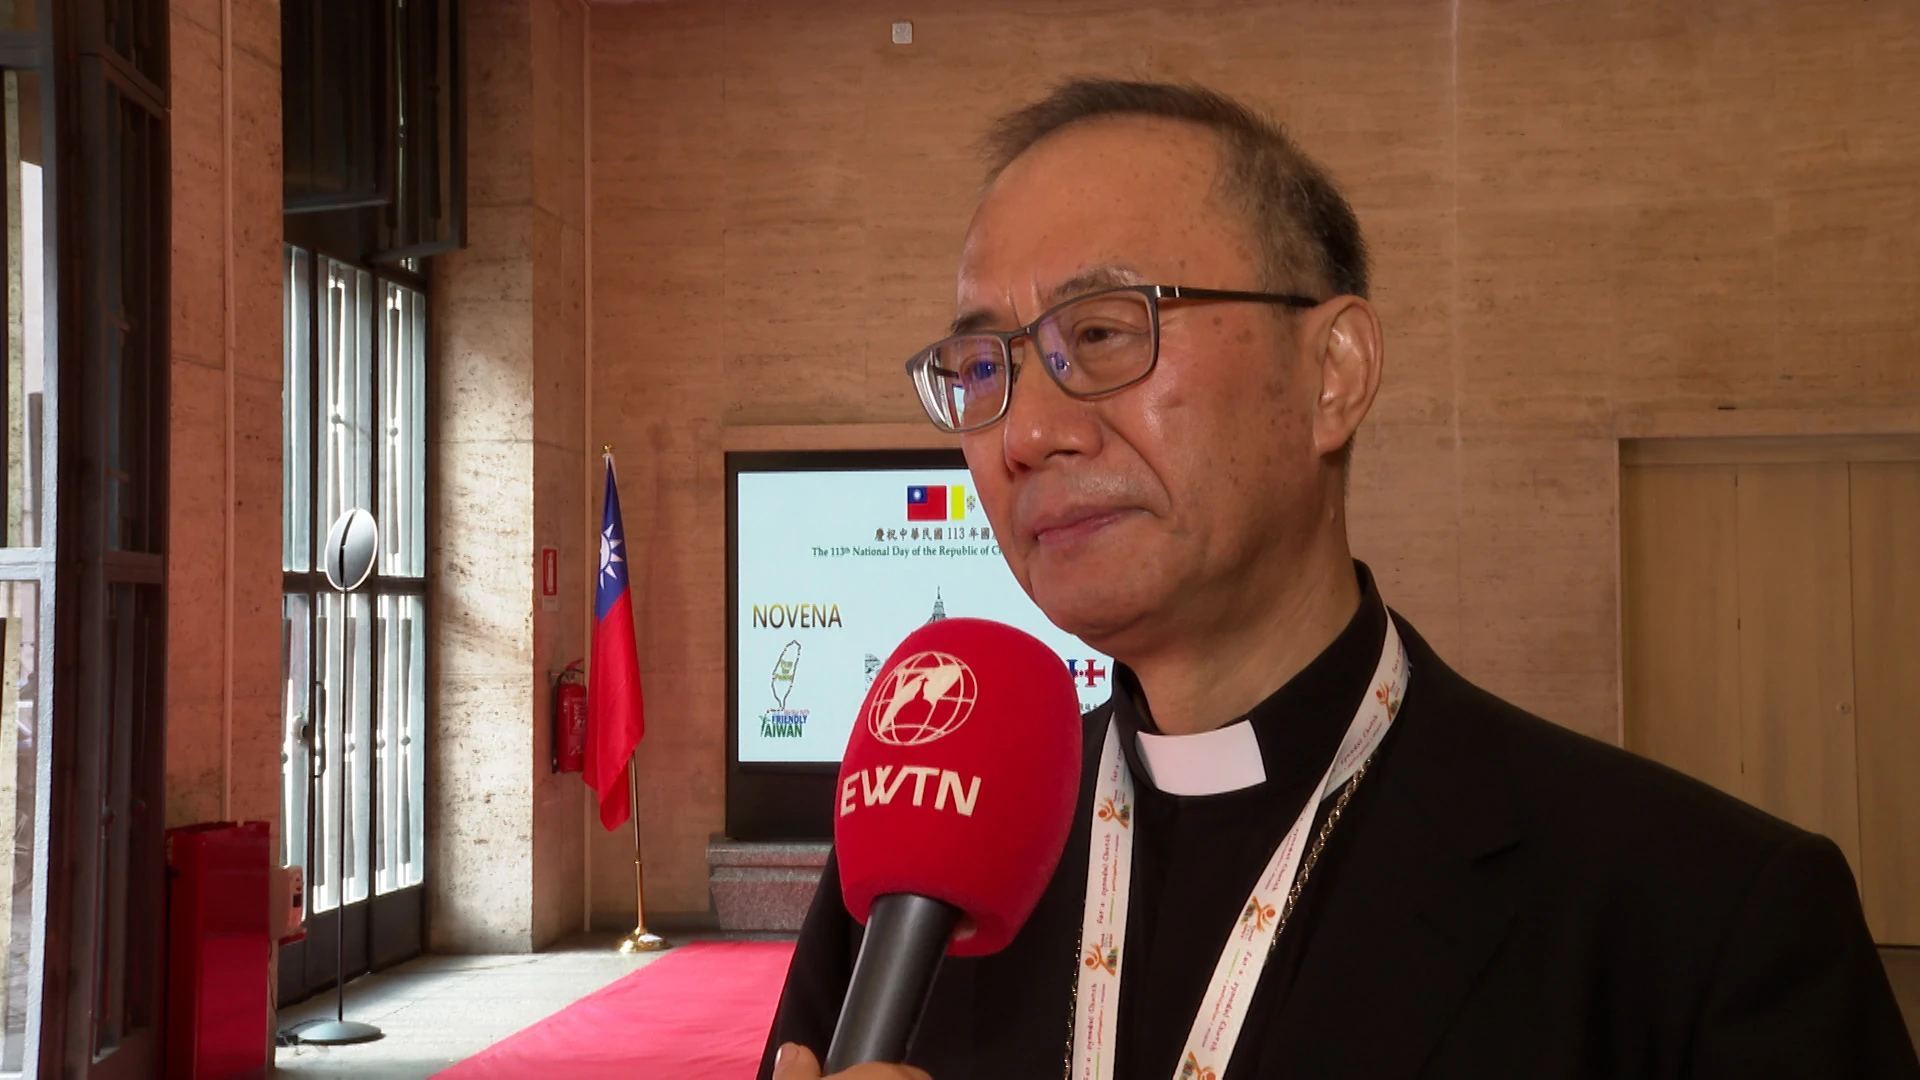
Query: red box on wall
{"type": "Point", "coordinates": [218, 950]}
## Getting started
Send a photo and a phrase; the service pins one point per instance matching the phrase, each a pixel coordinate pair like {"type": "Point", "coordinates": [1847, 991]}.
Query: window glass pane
{"type": "Point", "coordinates": [416, 491]}
{"type": "Point", "coordinates": [403, 443]}
{"type": "Point", "coordinates": [345, 691]}
{"type": "Point", "coordinates": [125, 323]}
{"type": "Point", "coordinates": [25, 305]}
{"type": "Point", "coordinates": [136, 30]}
{"type": "Point", "coordinates": [19, 712]}
{"type": "Point", "coordinates": [355, 431]}
{"type": "Point", "coordinates": [400, 782]}
{"type": "Point", "coordinates": [297, 420]}
{"type": "Point", "coordinates": [129, 861]}
{"type": "Point", "coordinates": [296, 760]}
{"type": "Point", "coordinates": [346, 373]}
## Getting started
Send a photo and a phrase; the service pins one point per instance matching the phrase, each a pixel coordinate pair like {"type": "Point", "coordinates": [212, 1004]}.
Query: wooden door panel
{"type": "Point", "coordinates": [1796, 647]}
{"type": "Point", "coordinates": [1680, 610]}
{"type": "Point", "coordinates": [1885, 508]}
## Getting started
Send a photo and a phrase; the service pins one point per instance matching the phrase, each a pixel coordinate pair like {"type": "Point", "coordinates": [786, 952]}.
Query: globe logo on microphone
{"type": "Point", "coordinates": [924, 697]}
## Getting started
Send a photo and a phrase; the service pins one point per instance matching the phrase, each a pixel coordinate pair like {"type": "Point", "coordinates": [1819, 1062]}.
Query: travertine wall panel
{"type": "Point", "coordinates": [559, 448]}
{"type": "Point", "coordinates": [505, 831]}
{"type": "Point", "coordinates": [223, 719]}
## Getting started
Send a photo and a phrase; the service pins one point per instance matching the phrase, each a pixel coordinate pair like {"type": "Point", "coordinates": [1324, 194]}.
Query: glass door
{"type": "Point", "coordinates": [353, 756]}
{"type": "Point", "coordinates": [104, 742]}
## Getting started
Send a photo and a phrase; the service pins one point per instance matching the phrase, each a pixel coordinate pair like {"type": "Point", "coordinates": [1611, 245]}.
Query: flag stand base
{"type": "Point", "coordinates": [642, 941]}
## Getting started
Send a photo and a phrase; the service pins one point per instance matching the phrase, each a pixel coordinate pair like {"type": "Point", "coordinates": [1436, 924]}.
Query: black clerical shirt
{"type": "Point", "coordinates": [1501, 898]}
{"type": "Point", "coordinates": [1196, 858]}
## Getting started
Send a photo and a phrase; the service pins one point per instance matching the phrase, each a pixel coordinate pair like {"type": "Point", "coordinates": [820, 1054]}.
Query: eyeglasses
{"type": "Point", "coordinates": [1091, 345]}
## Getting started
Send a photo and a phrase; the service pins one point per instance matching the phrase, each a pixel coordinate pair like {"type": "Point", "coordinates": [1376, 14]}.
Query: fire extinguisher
{"type": "Point", "coordinates": [570, 720]}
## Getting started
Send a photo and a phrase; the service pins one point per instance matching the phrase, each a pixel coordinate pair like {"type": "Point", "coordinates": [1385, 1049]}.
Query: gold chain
{"type": "Point", "coordinates": [1313, 853]}
{"type": "Point", "coordinates": [1293, 898]}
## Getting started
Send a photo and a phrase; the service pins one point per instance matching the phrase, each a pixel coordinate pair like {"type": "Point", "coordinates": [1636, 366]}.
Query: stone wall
{"type": "Point", "coordinates": [223, 563]}
{"type": "Point", "coordinates": [561, 456]}
{"type": "Point", "coordinates": [505, 835]}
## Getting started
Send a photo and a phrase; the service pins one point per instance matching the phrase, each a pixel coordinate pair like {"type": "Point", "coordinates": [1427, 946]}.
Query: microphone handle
{"type": "Point", "coordinates": [892, 979]}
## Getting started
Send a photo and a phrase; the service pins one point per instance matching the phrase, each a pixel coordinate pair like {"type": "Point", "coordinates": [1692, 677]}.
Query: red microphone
{"type": "Point", "coordinates": [955, 797]}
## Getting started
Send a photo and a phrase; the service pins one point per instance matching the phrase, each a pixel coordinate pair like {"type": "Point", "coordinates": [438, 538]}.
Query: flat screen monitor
{"type": "Point", "coordinates": [833, 558]}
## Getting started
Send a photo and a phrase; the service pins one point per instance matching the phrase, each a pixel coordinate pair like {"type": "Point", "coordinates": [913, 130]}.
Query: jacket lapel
{"type": "Point", "coordinates": [1425, 898]}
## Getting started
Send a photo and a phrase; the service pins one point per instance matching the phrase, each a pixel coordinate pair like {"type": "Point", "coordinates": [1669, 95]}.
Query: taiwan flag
{"type": "Point", "coordinates": [615, 717]}
{"type": "Point", "coordinates": [926, 503]}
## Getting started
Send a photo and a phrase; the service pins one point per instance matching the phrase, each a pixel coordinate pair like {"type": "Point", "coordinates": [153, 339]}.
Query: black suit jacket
{"type": "Point", "coordinates": [1515, 900]}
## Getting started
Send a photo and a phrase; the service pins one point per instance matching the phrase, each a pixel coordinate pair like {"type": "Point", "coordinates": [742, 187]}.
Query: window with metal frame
{"type": "Point", "coordinates": [100, 795]}
{"type": "Point", "coordinates": [355, 435]}
{"type": "Point", "coordinates": [374, 187]}
{"type": "Point", "coordinates": [23, 458]}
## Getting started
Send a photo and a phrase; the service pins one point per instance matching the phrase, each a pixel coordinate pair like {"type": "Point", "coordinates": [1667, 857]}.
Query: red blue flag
{"type": "Point", "coordinates": [926, 503]}
{"type": "Point", "coordinates": [615, 716]}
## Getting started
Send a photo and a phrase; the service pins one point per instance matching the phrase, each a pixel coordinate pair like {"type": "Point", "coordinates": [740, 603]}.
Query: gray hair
{"type": "Point", "coordinates": [1307, 233]}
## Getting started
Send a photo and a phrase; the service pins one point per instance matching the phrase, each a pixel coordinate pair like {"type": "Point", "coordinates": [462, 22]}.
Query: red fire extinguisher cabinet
{"type": "Point", "coordinates": [218, 950]}
{"type": "Point", "coordinates": [570, 720]}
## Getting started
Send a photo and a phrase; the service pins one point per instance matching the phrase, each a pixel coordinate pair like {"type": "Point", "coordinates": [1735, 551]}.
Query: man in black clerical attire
{"type": "Point", "coordinates": [1491, 895]}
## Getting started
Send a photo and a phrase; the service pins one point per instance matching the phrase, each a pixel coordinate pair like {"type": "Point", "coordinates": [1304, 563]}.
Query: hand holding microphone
{"type": "Point", "coordinates": [955, 798]}
{"type": "Point", "coordinates": [796, 1062]}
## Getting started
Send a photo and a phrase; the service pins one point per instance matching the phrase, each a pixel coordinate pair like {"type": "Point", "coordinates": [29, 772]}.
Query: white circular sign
{"type": "Point", "coordinates": [351, 545]}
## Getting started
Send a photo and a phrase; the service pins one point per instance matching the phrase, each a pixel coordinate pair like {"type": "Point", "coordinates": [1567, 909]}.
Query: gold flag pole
{"type": "Point", "coordinates": [641, 940]}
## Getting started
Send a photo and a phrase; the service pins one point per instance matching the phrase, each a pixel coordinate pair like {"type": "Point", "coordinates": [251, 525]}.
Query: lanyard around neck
{"type": "Point", "coordinates": [1103, 930]}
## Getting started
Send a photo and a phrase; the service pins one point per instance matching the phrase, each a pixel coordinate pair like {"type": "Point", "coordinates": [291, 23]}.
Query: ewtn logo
{"type": "Point", "coordinates": [879, 785]}
{"type": "Point", "coordinates": [925, 697]}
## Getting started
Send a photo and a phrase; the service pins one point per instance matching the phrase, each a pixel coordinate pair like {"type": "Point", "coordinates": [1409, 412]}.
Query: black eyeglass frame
{"type": "Point", "coordinates": [921, 364]}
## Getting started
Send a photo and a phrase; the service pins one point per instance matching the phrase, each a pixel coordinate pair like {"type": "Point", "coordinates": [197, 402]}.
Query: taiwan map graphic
{"type": "Point", "coordinates": [781, 722]}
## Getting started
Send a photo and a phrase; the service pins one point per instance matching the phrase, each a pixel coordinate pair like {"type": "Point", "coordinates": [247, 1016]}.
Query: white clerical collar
{"type": "Point", "coordinates": [1209, 763]}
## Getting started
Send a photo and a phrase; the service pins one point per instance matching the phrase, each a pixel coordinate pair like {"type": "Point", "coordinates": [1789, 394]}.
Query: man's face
{"type": "Point", "coordinates": [1158, 508]}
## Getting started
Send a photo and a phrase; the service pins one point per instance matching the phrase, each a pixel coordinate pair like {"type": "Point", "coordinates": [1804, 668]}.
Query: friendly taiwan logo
{"type": "Point", "coordinates": [781, 721]}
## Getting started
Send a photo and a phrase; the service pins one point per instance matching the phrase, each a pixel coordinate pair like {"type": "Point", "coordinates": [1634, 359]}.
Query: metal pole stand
{"type": "Point", "coordinates": [641, 940]}
{"type": "Point", "coordinates": [348, 561]}
{"type": "Point", "coordinates": [339, 1033]}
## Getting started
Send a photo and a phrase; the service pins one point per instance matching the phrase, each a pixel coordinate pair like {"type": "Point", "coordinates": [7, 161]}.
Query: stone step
{"type": "Point", "coordinates": [764, 885]}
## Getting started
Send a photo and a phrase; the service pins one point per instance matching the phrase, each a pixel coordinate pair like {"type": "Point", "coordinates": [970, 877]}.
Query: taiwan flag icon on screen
{"type": "Point", "coordinates": [926, 503]}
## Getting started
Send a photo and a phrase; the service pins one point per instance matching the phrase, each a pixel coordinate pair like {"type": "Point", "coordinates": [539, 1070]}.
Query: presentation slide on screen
{"type": "Point", "coordinates": [834, 569]}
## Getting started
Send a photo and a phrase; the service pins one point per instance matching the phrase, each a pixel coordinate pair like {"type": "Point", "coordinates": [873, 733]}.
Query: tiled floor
{"type": "Point", "coordinates": [437, 1010]}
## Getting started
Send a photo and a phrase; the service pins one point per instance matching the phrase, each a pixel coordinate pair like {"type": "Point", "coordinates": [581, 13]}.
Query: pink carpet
{"type": "Point", "coordinates": [701, 1010]}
